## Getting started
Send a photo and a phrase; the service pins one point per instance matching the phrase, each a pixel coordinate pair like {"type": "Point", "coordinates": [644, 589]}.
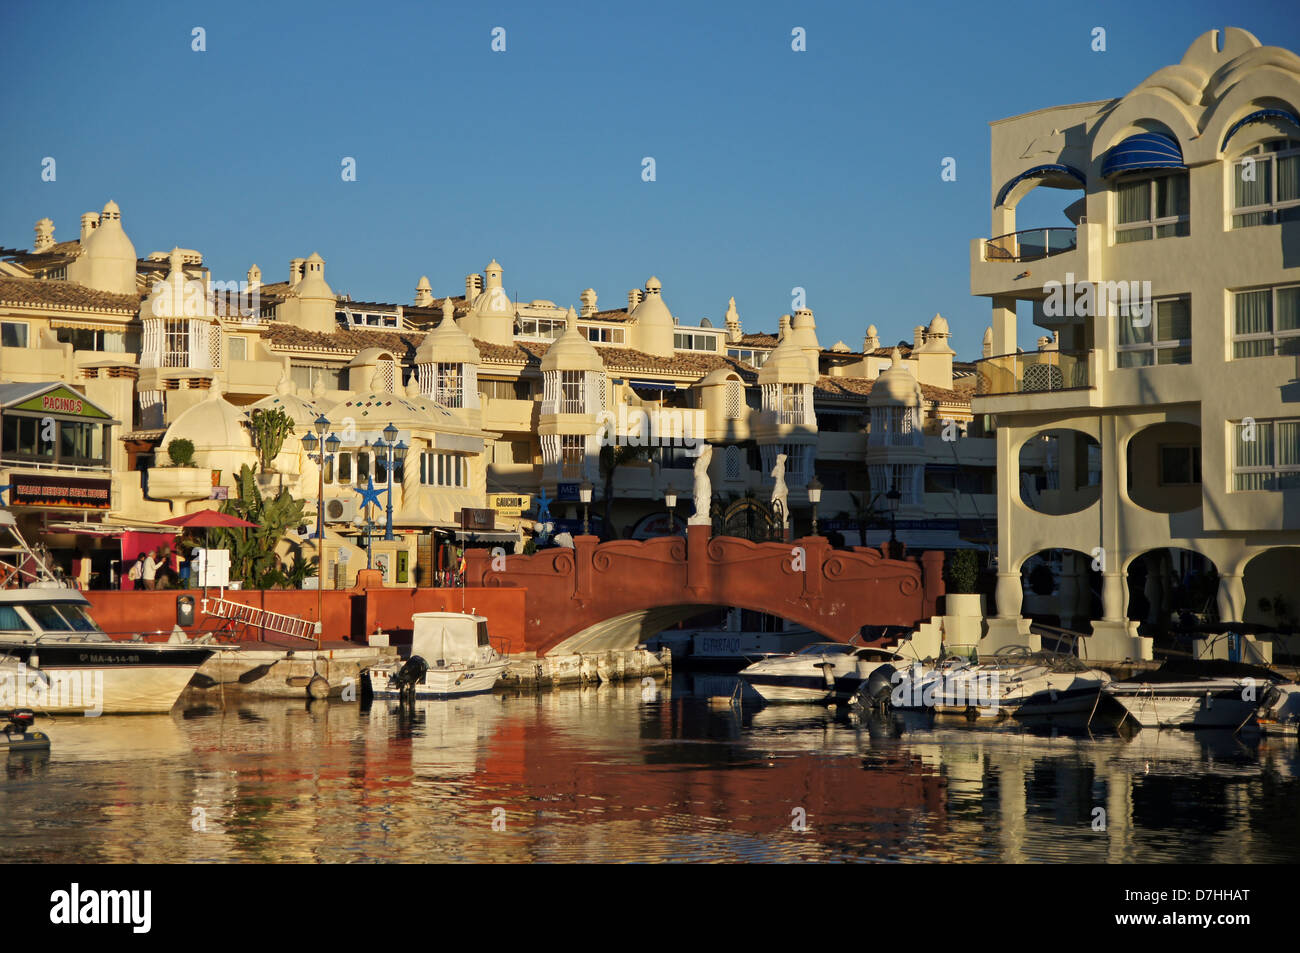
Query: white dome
{"type": "Point", "coordinates": [895, 386]}
{"type": "Point", "coordinates": [211, 424]}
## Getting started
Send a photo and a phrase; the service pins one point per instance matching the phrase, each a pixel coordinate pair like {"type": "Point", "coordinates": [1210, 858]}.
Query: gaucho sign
{"type": "Point", "coordinates": [59, 491]}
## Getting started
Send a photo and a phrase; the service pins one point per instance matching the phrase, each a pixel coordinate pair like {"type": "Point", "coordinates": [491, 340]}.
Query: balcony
{"type": "Point", "coordinates": [1032, 373]}
{"type": "Point", "coordinates": [1032, 244]}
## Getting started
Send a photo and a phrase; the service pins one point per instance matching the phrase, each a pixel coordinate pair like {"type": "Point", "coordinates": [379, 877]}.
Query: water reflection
{"type": "Point", "coordinates": [691, 771]}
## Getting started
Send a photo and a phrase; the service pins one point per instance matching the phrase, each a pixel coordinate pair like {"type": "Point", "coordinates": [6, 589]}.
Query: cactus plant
{"type": "Point", "coordinates": [270, 428]}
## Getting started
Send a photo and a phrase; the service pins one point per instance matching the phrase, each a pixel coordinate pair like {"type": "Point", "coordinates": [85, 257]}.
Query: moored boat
{"type": "Point", "coordinates": [821, 673]}
{"type": "Point", "coordinates": [450, 655]}
{"type": "Point", "coordinates": [1207, 694]}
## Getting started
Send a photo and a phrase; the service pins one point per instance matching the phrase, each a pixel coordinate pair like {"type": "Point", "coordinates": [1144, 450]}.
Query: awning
{"type": "Point", "coordinates": [1260, 115]}
{"type": "Point", "coordinates": [1055, 175]}
{"type": "Point", "coordinates": [1146, 150]}
{"type": "Point", "coordinates": [652, 385]}
{"type": "Point", "coordinates": [487, 536]}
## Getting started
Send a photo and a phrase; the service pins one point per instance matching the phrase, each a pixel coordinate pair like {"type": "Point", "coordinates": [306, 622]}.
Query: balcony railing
{"type": "Point", "coordinates": [1031, 244]}
{"type": "Point", "coordinates": [1034, 372]}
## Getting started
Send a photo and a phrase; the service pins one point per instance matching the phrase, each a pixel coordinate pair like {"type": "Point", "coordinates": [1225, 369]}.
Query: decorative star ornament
{"type": "Point", "coordinates": [370, 495]}
{"type": "Point", "coordinates": [543, 507]}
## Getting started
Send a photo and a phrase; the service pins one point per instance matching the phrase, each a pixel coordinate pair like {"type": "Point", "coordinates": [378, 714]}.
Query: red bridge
{"type": "Point", "coordinates": [613, 595]}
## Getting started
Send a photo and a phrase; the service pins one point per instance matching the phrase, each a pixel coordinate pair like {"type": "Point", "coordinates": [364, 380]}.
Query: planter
{"type": "Point", "coordinates": [180, 483]}
{"type": "Point", "coordinates": [967, 604]}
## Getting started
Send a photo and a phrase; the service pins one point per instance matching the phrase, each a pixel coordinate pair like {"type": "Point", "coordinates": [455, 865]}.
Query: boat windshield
{"type": "Point", "coordinates": [11, 621]}
{"type": "Point", "coordinates": [66, 617]}
{"type": "Point", "coordinates": [826, 648]}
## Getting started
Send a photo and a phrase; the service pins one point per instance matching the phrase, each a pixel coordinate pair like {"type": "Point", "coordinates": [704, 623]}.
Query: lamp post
{"type": "Point", "coordinates": [584, 493]}
{"type": "Point", "coordinates": [394, 454]}
{"type": "Point", "coordinates": [670, 501]}
{"type": "Point", "coordinates": [814, 497]}
{"type": "Point", "coordinates": [328, 446]}
{"type": "Point", "coordinates": [894, 497]}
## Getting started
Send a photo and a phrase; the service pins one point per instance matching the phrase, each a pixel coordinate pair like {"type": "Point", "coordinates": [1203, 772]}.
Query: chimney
{"type": "Point", "coordinates": [473, 287]}
{"type": "Point", "coordinates": [44, 235]}
{"type": "Point", "coordinates": [987, 349]}
{"type": "Point", "coordinates": [783, 327]}
{"type": "Point", "coordinates": [633, 299]}
{"type": "Point", "coordinates": [918, 337]}
{"type": "Point", "coordinates": [588, 299]}
{"type": "Point", "coordinates": [89, 222]}
{"type": "Point", "coordinates": [254, 278]}
{"type": "Point", "coordinates": [734, 332]}
{"type": "Point", "coordinates": [423, 293]}
{"type": "Point", "coordinates": [871, 341]}
{"type": "Point", "coordinates": [295, 270]}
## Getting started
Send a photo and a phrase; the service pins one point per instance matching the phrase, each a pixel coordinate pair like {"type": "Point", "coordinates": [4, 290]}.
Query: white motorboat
{"type": "Point", "coordinates": [450, 654]}
{"type": "Point", "coordinates": [1208, 694]}
{"type": "Point", "coordinates": [822, 673]}
{"type": "Point", "coordinates": [1016, 682]}
{"type": "Point", "coordinates": [57, 660]}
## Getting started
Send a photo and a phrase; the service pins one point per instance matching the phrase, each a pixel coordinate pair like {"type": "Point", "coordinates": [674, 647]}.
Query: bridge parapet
{"type": "Point", "coordinates": [832, 591]}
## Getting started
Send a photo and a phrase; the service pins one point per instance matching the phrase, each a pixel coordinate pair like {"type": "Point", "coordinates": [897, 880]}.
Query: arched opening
{"type": "Point", "coordinates": [1271, 599]}
{"type": "Point", "coordinates": [1172, 591]}
{"type": "Point", "coordinates": [1040, 222]}
{"type": "Point", "coordinates": [1164, 468]}
{"type": "Point", "coordinates": [1061, 589]}
{"type": "Point", "coordinates": [1060, 471]}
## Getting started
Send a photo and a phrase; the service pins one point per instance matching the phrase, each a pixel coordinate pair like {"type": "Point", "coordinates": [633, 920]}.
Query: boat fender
{"type": "Point", "coordinates": [318, 687]}
{"type": "Point", "coordinates": [1270, 697]}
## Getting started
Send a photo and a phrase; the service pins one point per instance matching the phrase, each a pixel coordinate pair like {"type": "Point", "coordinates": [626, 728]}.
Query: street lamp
{"type": "Point", "coordinates": [814, 497]}
{"type": "Point", "coordinates": [670, 501]}
{"type": "Point", "coordinates": [894, 498]}
{"type": "Point", "coordinates": [394, 454]}
{"type": "Point", "coordinates": [584, 493]}
{"type": "Point", "coordinates": [322, 448]}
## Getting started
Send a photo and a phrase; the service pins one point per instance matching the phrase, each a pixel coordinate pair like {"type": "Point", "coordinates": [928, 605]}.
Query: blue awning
{"type": "Point", "coordinates": [651, 385]}
{"type": "Point", "coordinates": [1259, 115]}
{"type": "Point", "coordinates": [1054, 171]}
{"type": "Point", "coordinates": [1146, 150]}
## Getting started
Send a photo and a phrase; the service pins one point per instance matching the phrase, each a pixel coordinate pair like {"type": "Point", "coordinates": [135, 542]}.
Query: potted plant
{"type": "Point", "coordinates": [181, 452]}
{"type": "Point", "coordinates": [963, 597]}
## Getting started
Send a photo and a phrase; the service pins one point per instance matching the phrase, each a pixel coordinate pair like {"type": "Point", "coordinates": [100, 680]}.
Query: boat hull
{"type": "Point", "coordinates": [442, 683]}
{"type": "Point", "coordinates": [1185, 705]}
{"type": "Point", "coordinates": [96, 678]}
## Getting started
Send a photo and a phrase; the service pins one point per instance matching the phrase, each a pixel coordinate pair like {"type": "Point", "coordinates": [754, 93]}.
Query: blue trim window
{"type": "Point", "coordinates": [1266, 184]}
{"type": "Point", "coordinates": [1149, 207]}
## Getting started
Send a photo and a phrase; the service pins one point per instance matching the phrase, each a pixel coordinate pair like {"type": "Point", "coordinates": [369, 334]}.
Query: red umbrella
{"type": "Point", "coordinates": [206, 518]}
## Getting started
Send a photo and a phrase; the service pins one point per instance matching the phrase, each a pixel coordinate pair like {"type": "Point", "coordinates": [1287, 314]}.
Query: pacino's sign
{"type": "Point", "coordinates": [59, 491]}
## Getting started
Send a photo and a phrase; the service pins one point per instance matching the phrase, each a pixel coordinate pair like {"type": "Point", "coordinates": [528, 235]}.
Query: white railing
{"type": "Point", "coordinates": [263, 619]}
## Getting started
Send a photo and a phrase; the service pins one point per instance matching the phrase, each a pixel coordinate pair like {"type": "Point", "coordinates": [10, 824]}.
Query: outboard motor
{"type": "Point", "coordinates": [19, 720]}
{"type": "Point", "coordinates": [18, 735]}
{"type": "Point", "coordinates": [874, 693]}
{"type": "Point", "coordinates": [408, 676]}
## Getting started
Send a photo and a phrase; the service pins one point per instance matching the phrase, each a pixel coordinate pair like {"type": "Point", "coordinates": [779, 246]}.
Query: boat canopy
{"type": "Point", "coordinates": [447, 636]}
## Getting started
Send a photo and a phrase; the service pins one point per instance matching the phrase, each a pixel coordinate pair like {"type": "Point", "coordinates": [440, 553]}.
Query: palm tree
{"type": "Point", "coordinates": [611, 458]}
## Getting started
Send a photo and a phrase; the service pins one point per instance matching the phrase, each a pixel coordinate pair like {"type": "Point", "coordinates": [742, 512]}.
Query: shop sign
{"type": "Point", "coordinates": [63, 401]}
{"type": "Point", "coordinates": [477, 520]}
{"type": "Point", "coordinates": [510, 504]}
{"type": "Point", "coordinates": [68, 492]}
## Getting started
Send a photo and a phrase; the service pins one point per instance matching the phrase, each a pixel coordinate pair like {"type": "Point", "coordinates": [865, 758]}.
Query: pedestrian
{"type": "Point", "coordinates": [152, 562]}
{"type": "Point", "coordinates": [135, 574]}
{"type": "Point", "coordinates": [184, 571]}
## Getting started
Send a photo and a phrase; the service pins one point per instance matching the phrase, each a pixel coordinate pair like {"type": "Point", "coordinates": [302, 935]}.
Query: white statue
{"type": "Point", "coordinates": [703, 488]}
{"type": "Point", "coordinates": [780, 493]}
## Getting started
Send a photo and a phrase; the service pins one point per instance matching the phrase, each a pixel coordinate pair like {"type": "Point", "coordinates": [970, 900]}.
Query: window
{"type": "Point", "coordinates": [345, 467]}
{"type": "Point", "coordinates": [734, 400]}
{"type": "Point", "coordinates": [751, 357]}
{"type": "Point", "coordinates": [521, 451]}
{"type": "Point", "coordinates": [1166, 337]}
{"type": "Point", "coordinates": [1266, 184]}
{"type": "Point", "coordinates": [1144, 205]}
{"type": "Point", "coordinates": [23, 437]}
{"type": "Point", "coordinates": [1267, 455]}
{"type": "Point", "coordinates": [1180, 465]}
{"type": "Point", "coordinates": [503, 390]}
{"type": "Point", "coordinates": [685, 341]}
{"type": "Point", "coordinates": [176, 342]}
{"type": "Point", "coordinates": [545, 328]}
{"type": "Point", "coordinates": [599, 335]}
{"type": "Point", "coordinates": [443, 469]}
{"type": "Point", "coordinates": [792, 404]}
{"type": "Point", "coordinates": [1266, 322]}
{"type": "Point", "coordinates": [11, 621]}
{"type": "Point", "coordinates": [573, 454]}
{"type": "Point", "coordinates": [13, 334]}
{"type": "Point", "coordinates": [306, 376]}
{"type": "Point", "coordinates": [363, 465]}
{"type": "Point", "coordinates": [449, 392]}
{"type": "Point", "coordinates": [239, 349]}
{"type": "Point", "coordinates": [81, 443]}
{"type": "Point", "coordinates": [108, 341]}
{"type": "Point", "coordinates": [571, 397]}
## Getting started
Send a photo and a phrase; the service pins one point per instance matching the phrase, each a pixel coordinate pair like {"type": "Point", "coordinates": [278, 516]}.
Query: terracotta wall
{"type": "Point", "coordinates": [349, 614]}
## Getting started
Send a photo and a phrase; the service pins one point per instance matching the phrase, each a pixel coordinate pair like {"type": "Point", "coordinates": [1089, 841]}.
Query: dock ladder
{"type": "Point", "coordinates": [237, 621]}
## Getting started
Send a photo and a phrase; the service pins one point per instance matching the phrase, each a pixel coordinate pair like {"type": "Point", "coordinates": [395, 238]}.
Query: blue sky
{"type": "Point", "coordinates": [775, 169]}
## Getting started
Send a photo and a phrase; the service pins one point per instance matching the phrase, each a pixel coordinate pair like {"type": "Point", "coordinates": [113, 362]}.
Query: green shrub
{"type": "Point", "coordinates": [963, 571]}
{"type": "Point", "coordinates": [181, 452]}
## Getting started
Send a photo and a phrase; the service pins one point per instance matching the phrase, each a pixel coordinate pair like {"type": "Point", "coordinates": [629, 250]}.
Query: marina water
{"type": "Point", "coordinates": [635, 772]}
